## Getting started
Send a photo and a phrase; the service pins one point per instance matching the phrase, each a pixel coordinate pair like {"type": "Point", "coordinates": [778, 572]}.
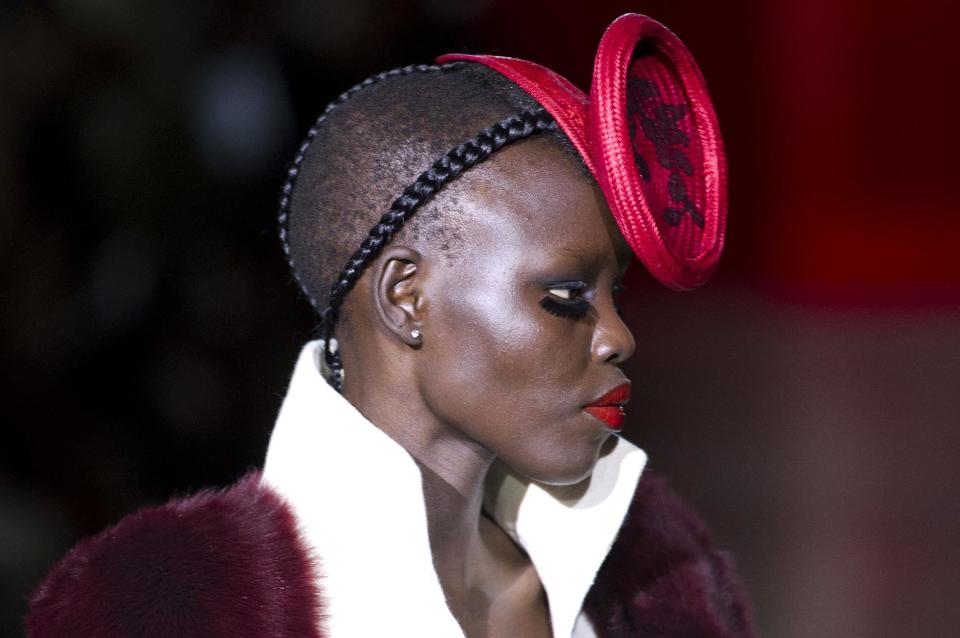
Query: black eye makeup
{"type": "Point", "coordinates": [563, 300]}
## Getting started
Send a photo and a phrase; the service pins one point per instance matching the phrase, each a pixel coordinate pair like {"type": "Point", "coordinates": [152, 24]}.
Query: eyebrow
{"type": "Point", "coordinates": [591, 258]}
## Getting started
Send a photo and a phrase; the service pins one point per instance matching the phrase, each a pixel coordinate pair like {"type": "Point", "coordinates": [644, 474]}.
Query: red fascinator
{"type": "Point", "coordinates": [648, 133]}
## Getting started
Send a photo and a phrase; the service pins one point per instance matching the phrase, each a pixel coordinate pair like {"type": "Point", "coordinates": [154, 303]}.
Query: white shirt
{"type": "Point", "coordinates": [358, 500]}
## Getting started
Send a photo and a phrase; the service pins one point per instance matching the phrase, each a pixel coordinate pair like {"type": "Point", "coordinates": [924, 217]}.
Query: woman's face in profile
{"type": "Point", "coordinates": [521, 331]}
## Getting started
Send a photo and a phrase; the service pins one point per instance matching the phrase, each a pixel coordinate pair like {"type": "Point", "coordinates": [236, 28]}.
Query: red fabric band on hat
{"type": "Point", "coordinates": [565, 102]}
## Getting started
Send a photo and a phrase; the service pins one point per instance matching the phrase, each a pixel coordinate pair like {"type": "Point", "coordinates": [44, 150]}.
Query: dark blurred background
{"type": "Point", "coordinates": [807, 401]}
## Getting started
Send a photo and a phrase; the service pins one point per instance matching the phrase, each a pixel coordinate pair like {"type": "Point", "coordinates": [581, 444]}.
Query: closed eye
{"type": "Point", "coordinates": [563, 300]}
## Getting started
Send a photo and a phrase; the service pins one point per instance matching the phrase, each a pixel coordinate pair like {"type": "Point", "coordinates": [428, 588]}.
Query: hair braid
{"type": "Point", "coordinates": [286, 192]}
{"type": "Point", "coordinates": [445, 169]}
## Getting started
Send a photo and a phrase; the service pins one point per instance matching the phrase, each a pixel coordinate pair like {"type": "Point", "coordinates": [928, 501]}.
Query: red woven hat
{"type": "Point", "coordinates": [649, 135]}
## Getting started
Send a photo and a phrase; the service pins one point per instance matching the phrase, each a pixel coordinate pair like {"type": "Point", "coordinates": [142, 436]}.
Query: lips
{"type": "Point", "coordinates": [610, 407]}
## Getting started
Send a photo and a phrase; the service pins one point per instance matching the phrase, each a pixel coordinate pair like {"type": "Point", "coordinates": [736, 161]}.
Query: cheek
{"type": "Point", "coordinates": [505, 346]}
{"type": "Point", "coordinates": [503, 371]}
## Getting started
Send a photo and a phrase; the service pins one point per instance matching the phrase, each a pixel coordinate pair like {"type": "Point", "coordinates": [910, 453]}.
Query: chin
{"type": "Point", "coordinates": [568, 479]}
{"type": "Point", "coordinates": [568, 470]}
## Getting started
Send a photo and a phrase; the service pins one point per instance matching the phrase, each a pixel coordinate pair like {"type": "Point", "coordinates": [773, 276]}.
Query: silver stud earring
{"type": "Point", "coordinates": [415, 334]}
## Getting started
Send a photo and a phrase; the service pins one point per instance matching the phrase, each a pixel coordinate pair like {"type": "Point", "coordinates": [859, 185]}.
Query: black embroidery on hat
{"type": "Point", "coordinates": [678, 192]}
{"type": "Point", "coordinates": [660, 123]}
{"type": "Point", "coordinates": [638, 90]}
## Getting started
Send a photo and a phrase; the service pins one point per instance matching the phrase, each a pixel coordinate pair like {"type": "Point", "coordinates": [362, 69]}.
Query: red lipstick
{"type": "Point", "coordinates": [610, 407]}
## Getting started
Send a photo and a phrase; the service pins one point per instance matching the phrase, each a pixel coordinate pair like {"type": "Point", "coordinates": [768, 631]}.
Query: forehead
{"type": "Point", "coordinates": [532, 202]}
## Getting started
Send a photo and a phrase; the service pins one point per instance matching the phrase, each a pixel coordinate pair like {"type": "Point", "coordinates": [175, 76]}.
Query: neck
{"type": "Point", "coordinates": [453, 468]}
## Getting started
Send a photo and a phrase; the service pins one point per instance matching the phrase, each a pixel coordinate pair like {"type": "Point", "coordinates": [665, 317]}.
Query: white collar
{"type": "Point", "coordinates": [358, 499]}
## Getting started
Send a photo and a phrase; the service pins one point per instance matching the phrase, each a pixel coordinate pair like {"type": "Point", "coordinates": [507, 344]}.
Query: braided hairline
{"type": "Point", "coordinates": [283, 215]}
{"type": "Point", "coordinates": [445, 169]}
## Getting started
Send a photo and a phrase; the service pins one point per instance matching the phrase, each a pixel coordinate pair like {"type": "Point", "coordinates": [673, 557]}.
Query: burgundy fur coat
{"type": "Point", "coordinates": [230, 563]}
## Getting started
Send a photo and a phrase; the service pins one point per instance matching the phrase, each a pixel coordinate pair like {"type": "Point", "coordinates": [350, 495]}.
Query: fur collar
{"type": "Point", "coordinates": [665, 578]}
{"type": "Point", "coordinates": [230, 563]}
{"type": "Point", "coordinates": [220, 563]}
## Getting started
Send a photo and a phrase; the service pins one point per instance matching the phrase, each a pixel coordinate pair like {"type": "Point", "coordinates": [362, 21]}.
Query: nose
{"type": "Point", "coordinates": [612, 340]}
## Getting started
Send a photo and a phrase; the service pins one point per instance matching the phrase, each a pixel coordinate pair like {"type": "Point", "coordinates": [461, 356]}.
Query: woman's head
{"type": "Point", "coordinates": [506, 275]}
{"type": "Point", "coordinates": [481, 300]}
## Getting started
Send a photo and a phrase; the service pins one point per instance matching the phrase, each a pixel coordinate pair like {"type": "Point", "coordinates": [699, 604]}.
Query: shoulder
{"type": "Point", "coordinates": [665, 577]}
{"type": "Point", "coordinates": [219, 563]}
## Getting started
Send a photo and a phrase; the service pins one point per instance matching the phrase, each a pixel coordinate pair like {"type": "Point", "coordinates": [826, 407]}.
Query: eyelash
{"type": "Point", "coordinates": [576, 307]}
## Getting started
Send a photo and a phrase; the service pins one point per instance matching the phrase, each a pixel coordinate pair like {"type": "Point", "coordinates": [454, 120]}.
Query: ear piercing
{"type": "Point", "coordinates": [415, 334]}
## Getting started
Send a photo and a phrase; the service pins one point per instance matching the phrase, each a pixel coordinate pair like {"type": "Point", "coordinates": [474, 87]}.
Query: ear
{"type": "Point", "coordinates": [397, 295]}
